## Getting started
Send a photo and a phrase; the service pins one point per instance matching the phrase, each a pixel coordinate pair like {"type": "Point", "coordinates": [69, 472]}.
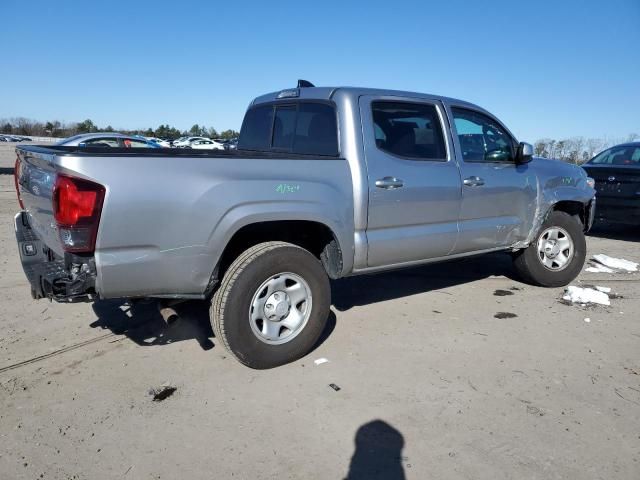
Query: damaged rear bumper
{"type": "Point", "coordinates": [67, 279]}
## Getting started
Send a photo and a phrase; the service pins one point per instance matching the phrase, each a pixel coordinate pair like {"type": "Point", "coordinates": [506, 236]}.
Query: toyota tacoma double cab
{"type": "Point", "coordinates": [325, 183]}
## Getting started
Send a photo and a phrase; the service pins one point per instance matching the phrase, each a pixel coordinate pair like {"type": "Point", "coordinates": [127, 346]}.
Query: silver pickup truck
{"type": "Point", "coordinates": [326, 183]}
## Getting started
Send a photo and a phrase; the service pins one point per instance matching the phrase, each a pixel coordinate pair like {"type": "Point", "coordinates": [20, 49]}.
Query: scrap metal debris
{"type": "Point", "coordinates": [505, 315]}
{"type": "Point", "coordinates": [162, 392]}
{"type": "Point", "coordinates": [335, 387]}
{"type": "Point", "coordinates": [320, 361]}
{"type": "Point", "coordinates": [616, 263]}
{"type": "Point", "coordinates": [597, 268]}
{"type": "Point", "coordinates": [585, 295]}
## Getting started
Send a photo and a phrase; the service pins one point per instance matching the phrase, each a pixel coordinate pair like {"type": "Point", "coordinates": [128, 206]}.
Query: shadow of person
{"type": "Point", "coordinates": [143, 324]}
{"type": "Point", "coordinates": [378, 453]}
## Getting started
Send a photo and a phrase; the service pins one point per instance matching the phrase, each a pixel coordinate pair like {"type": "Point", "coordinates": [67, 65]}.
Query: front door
{"type": "Point", "coordinates": [498, 196]}
{"type": "Point", "coordinates": [414, 183]}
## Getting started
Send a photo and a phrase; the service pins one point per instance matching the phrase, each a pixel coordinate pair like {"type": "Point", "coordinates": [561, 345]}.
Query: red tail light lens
{"type": "Point", "coordinates": [16, 176]}
{"type": "Point", "coordinates": [77, 205]}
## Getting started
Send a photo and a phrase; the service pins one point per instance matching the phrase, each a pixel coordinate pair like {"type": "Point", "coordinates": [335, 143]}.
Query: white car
{"type": "Point", "coordinates": [187, 141]}
{"type": "Point", "coordinates": [159, 141]}
{"type": "Point", "coordinates": [206, 144]}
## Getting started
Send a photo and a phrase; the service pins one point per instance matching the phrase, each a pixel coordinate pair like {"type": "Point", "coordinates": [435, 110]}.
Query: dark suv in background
{"type": "Point", "coordinates": [617, 175]}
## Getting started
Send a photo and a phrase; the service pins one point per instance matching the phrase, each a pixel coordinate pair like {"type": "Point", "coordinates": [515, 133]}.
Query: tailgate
{"type": "Point", "coordinates": [36, 176]}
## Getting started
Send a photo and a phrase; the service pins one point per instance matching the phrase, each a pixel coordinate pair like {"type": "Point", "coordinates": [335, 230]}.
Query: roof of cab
{"type": "Point", "coordinates": [328, 93]}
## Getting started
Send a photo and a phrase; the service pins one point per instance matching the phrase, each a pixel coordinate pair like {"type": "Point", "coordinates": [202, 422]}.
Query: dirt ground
{"type": "Point", "coordinates": [431, 384]}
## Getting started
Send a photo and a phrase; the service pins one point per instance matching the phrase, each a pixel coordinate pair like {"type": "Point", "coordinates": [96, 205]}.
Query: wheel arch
{"type": "Point", "coordinates": [574, 208]}
{"type": "Point", "coordinates": [313, 235]}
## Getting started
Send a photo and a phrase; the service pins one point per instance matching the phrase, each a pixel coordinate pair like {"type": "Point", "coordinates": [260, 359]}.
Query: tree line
{"type": "Point", "coordinates": [25, 126]}
{"type": "Point", "coordinates": [577, 150]}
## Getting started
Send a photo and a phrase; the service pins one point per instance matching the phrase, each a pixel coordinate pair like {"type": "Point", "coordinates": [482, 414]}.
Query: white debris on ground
{"type": "Point", "coordinates": [603, 289]}
{"type": "Point", "coordinates": [585, 296]}
{"type": "Point", "coordinates": [587, 320]}
{"type": "Point", "coordinates": [616, 263]}
{"type": "Point", "coordinates": [320, 361]}
{"type": "Point", "coordinates": [599, 269]}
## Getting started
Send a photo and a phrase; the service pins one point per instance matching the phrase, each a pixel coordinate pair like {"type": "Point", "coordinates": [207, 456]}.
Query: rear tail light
{"type": "Point", "coordinates": [77, 205]}
{"type": "Point", "coordinates": [16, 176]}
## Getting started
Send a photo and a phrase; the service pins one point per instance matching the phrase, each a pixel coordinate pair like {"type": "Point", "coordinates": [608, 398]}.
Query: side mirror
{"type": "Point", "coordinates": [525, 153]}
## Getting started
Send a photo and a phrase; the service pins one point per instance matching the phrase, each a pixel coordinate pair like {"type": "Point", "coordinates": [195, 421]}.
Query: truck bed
{"type": "Point", "coordinates": [168, 213]}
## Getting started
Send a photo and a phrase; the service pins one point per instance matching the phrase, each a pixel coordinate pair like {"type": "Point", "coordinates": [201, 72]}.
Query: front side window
{"type": "Point", "coordinates": [481, 138]}
{"type": "Point", "coordinates": [622, 155]}
{"type": "Point", "coordinates": [308, 128]}
{"type": "Point", "coordinates": [409, 130]}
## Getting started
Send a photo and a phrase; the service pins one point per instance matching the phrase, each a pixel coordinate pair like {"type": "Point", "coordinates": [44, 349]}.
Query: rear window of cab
{"type": "Point", "coordinates": [301, 127]}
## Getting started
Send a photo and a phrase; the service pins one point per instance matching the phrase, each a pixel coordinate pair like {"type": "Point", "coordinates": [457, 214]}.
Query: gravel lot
{"type": "Point", "coordinates": [431, 383]}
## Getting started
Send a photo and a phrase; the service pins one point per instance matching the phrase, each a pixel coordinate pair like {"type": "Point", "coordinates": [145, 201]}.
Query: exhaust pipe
{"type": "Point", "coordinates": [167, 312]}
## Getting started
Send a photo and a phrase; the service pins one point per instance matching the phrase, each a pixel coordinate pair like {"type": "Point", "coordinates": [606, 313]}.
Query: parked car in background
{"type": "Point", "coordinates": [206, 144]}
{"type": "Point", "coordinates": [9, 138]}
{"type": "Point", "coordinates": [22, 139]}
{"type": "Point", "coordinates": [107, 139]}
{"type": "Point", "coordinates": [174, 143]}
{"type": "Point", "coordinates": [616, 172]}
{"type": "Point", "coordinates": [326, 183]}
{"type": "Point", "coordinates": [160, 141]}
{"type": "Point", "coordinates": [231, 144]}
{"type": "Point", "coordinates": [186, 141]}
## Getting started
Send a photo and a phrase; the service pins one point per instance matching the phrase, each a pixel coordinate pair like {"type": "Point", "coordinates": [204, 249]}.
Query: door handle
{"type": "Point", "coordinates": [473, 181]}
{"type": "Point", "coordinates": [389, 183]}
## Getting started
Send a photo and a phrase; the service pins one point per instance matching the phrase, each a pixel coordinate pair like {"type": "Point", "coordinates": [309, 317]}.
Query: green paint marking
{"type": "Point", "coordinates": [287, 188]}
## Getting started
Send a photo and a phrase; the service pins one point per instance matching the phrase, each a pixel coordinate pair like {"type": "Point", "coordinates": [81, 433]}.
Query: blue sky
{"type": "Point", "coordinates": [546, 68]}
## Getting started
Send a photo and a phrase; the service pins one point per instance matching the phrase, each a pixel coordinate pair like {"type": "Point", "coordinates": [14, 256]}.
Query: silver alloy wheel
{"type": "Point", "coordinates": [280, 308]}
{"type": "Point", "coordinates": [555, 248]}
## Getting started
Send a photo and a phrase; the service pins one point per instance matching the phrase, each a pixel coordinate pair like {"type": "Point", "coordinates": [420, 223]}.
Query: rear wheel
{"type": "Point", "coordinates": [557, 254]}
{"type": "Point", "coordinates": [272, 305]}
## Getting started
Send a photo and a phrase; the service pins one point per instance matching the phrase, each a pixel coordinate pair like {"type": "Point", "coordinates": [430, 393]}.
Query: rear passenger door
{"type": "Point", "coordinates": [498, 196]}
{"type": "Point", "coordinates": [414, 183]}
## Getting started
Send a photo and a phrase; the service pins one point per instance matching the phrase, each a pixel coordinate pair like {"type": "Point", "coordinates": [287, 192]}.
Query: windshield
{"type": "Point", "coordinates": [620, 155]}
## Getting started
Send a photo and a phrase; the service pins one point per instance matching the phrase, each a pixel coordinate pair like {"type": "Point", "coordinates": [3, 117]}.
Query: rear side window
{"type": "Point", "coordinates": [409, 130]}
{"type": "Point", "coordinates": [304, 128]}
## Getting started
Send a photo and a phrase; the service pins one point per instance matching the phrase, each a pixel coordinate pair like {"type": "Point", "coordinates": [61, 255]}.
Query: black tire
{"type": "Point", "coordinates": [231, 303]}
{"type": "Point", "coordinates": [531, 268]}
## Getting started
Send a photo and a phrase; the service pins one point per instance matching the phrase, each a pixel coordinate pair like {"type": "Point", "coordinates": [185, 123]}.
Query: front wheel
{"type": "Point", "coordinates": [557, 254]}
{"type": "Point", "coordinates": [272, 305]}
